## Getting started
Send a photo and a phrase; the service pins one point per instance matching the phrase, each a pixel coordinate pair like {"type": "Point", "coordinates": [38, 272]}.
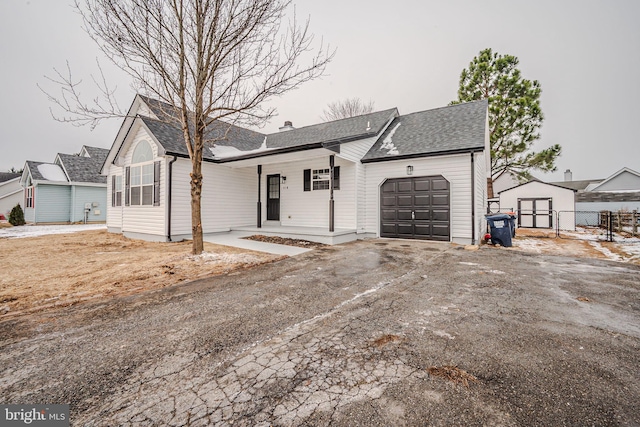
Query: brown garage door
{"type": "Point", "coordinates": [415, 208]}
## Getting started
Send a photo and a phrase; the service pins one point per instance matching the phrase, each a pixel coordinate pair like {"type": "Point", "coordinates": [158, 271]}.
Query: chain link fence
{"type": "Point", "coordinates": [593, 225]}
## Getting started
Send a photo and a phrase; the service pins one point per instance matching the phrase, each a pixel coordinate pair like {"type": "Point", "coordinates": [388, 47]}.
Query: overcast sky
{"type": "Point", "coordinates": [405, 54]}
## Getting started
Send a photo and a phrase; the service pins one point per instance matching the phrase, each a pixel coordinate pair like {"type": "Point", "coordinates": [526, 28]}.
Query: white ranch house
{"type": "Point", "coordinates": [417, 176]}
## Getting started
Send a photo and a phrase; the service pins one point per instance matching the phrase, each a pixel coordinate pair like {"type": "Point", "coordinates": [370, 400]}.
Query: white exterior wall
{"type": "Point", "coordinates": [480, 194]}
{"type": "Point", "coordinates": [229, 197]}
{"type": "Point", "coordinates": [11, 194]}
{"type": "Point", "coordinates": [301, 208]}
{"type": "Point", "coordinates": [625, 181]}
{"type": "Point", "coordinates": [145, 220]}
{"type": "Point", "coordinates": [355, 151]}
{"type": "Point", "coordinates": [454, 168]}
{"type": "Point", "coordinates": [505, 181]}
{"type": "Point", "coordinates": [562, 199]}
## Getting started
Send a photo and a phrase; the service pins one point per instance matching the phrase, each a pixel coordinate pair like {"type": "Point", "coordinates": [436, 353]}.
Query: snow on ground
{"type": "Point", "coordinates": [627, 248]}
{"type": "Point", "coordinates": [225, 258]}
{"type": "Point", "coordinates": [42, 230]}
{"type": "Point", "coordinates": [606, 252]}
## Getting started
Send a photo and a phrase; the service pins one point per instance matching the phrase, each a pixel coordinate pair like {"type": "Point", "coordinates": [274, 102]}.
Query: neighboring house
{"type": "Point", "coordinates": [70, 189]}
{"type": "Point", "coordinates": [417, 176]}
{"type": "Point", "coordinates": [10, 192]}
{"type": "Point", "coordinates": [504, 181]}
{"type": "Point", "coordinates": [537, 204]}
{"type": "Point", "coordinates": [620, 191]}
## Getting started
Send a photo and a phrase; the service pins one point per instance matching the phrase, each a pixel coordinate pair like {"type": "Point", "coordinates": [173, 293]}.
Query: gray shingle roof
{"type": "Point", "coordinates": [169, 134]}
{"type": "Point", "coordinates": [8, 176]}
{"type": "Point", "coordinates": [351, 128]}
{"type": "Point", "coordinates": [456, 128]}
{"type": "Point", "coordinates": [97, 154]}
{"type": "Point", "coordinates": [83, 169]}
{"type": "Point", "coordinates": [577, 185]}
{"type": "Point", "coordinates": [33, 168]}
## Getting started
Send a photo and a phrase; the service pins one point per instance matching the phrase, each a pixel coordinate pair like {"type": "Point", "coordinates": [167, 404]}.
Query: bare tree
{"type": "Point", "coordinates": [349, 107]}
{"type": "Point", "coordinates": [211, 59]}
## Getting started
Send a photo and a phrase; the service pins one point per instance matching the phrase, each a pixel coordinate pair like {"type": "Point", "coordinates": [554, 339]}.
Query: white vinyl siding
{"type": "Point", "coordinates": [144, 219]}
{"type": "Point", "coordinates": [301, 208]}
{"type": "Point", "coordinates": [355, 151]}
{"type": "Point", "coordinates": [454, 168]}
{"type": "Point", "coordinates": [229, 197]}
{"type": "Point", "coordinates": [11, 194]}
{"type": "Point", "coordinates": [480, 195]}
{"type": "Point", "coordinates": [562, 199]}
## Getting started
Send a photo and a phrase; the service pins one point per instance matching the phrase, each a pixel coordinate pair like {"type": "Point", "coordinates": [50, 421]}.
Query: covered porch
{"type": "Point", "coordinates": [308, 195]}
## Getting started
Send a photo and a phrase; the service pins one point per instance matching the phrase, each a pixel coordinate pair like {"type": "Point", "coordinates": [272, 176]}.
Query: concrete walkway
{"type": "Point", "coordinates": [235, 239]}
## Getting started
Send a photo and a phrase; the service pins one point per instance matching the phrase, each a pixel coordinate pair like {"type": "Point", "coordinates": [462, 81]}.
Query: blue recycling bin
{"type": "Point", "coordinates": [513, 217]}
{"type": "Point", "coordinates": [500, 229]}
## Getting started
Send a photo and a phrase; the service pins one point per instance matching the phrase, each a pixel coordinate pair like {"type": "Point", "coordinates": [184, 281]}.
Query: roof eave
{"type": "Point", "coordinates": [420, 155]}
{"type": "Point", "coordinates": [330, 145]}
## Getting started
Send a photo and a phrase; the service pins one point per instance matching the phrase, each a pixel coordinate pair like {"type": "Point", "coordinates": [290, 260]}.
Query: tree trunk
{"type": "Point", "coordinates": [196, 210]}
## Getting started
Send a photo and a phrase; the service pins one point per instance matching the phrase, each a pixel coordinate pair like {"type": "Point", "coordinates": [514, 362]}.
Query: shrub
{"type": "Point", "coordinates": [16, 217]}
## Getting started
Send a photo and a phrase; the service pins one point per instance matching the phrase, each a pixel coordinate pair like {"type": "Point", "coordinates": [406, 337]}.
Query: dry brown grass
{"type": "Point", "coordinates": [5, 225]}
{"type": "Point", "coordinates": [453, 374]}
{"type": "Point", "coordinates": [58, 270]}
{"type": "Point", "coordinates": [386, 339]}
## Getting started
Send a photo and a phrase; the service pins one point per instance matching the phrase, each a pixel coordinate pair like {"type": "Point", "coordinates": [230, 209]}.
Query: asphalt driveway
{"type": "Point", "coordinates": [346, 335]}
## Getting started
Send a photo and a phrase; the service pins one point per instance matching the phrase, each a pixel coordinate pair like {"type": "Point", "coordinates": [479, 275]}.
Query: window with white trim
{"type": "Point", "coordinates": [116, 190]}
{"type": "Point", "coordinates": [28, 203]}
{"type": "Point", "coordinates": [320, 179]}
{"type": "Point", "coordinates": [141, 176]}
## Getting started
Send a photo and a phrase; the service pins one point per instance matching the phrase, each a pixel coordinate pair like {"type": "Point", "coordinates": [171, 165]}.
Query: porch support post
{"type": "Point", "coordinates": [331, 201]}
{"type": "Point", "coordinates": [259, 215]}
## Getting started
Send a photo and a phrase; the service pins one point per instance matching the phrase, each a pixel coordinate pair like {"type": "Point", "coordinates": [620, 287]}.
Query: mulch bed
{"type": "Point", "coordinates": [453, 374]}
{"type": "Point", "coordinates": [284, 241]}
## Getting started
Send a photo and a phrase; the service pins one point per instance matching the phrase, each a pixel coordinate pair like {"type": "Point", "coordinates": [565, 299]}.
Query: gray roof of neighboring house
{"type": "Point", "coordinates": [456, 128]}
{"type": "Point", "coordinates": [77, 168]}
{"type": "Point", "coordinates": [8, 176]}
{"type": "Point", "coordinates": [83, 169]}
{"type": "Point", "coordinates": [577, 185]}
{"type": "Point", "coordinates": [97, 154]}
{"type": "Point", "coordinates": [35, 172]}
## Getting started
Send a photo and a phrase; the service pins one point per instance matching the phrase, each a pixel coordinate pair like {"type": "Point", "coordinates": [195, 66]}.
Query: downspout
{"type": "Point", "coordinates": [331, 201]}
{"type": "Point", "coordinates": [473, 199]}
{"type": "Point", "coordinates": [259, 205]}
{"type": "Point", "coordinates": [169, 198]}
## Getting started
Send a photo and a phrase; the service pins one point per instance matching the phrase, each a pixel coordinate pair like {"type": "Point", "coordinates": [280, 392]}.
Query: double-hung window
{"type": "Point", "coordinates": [116, 190]}
{"type": "Point", "coordinates": [319, 179]}
{"type": "Point", "coordinates": [142, 184]}
{"type": "Point", "coordinates": [29, 198]}
{"type": "Point", "coordinates": [143, 177]}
